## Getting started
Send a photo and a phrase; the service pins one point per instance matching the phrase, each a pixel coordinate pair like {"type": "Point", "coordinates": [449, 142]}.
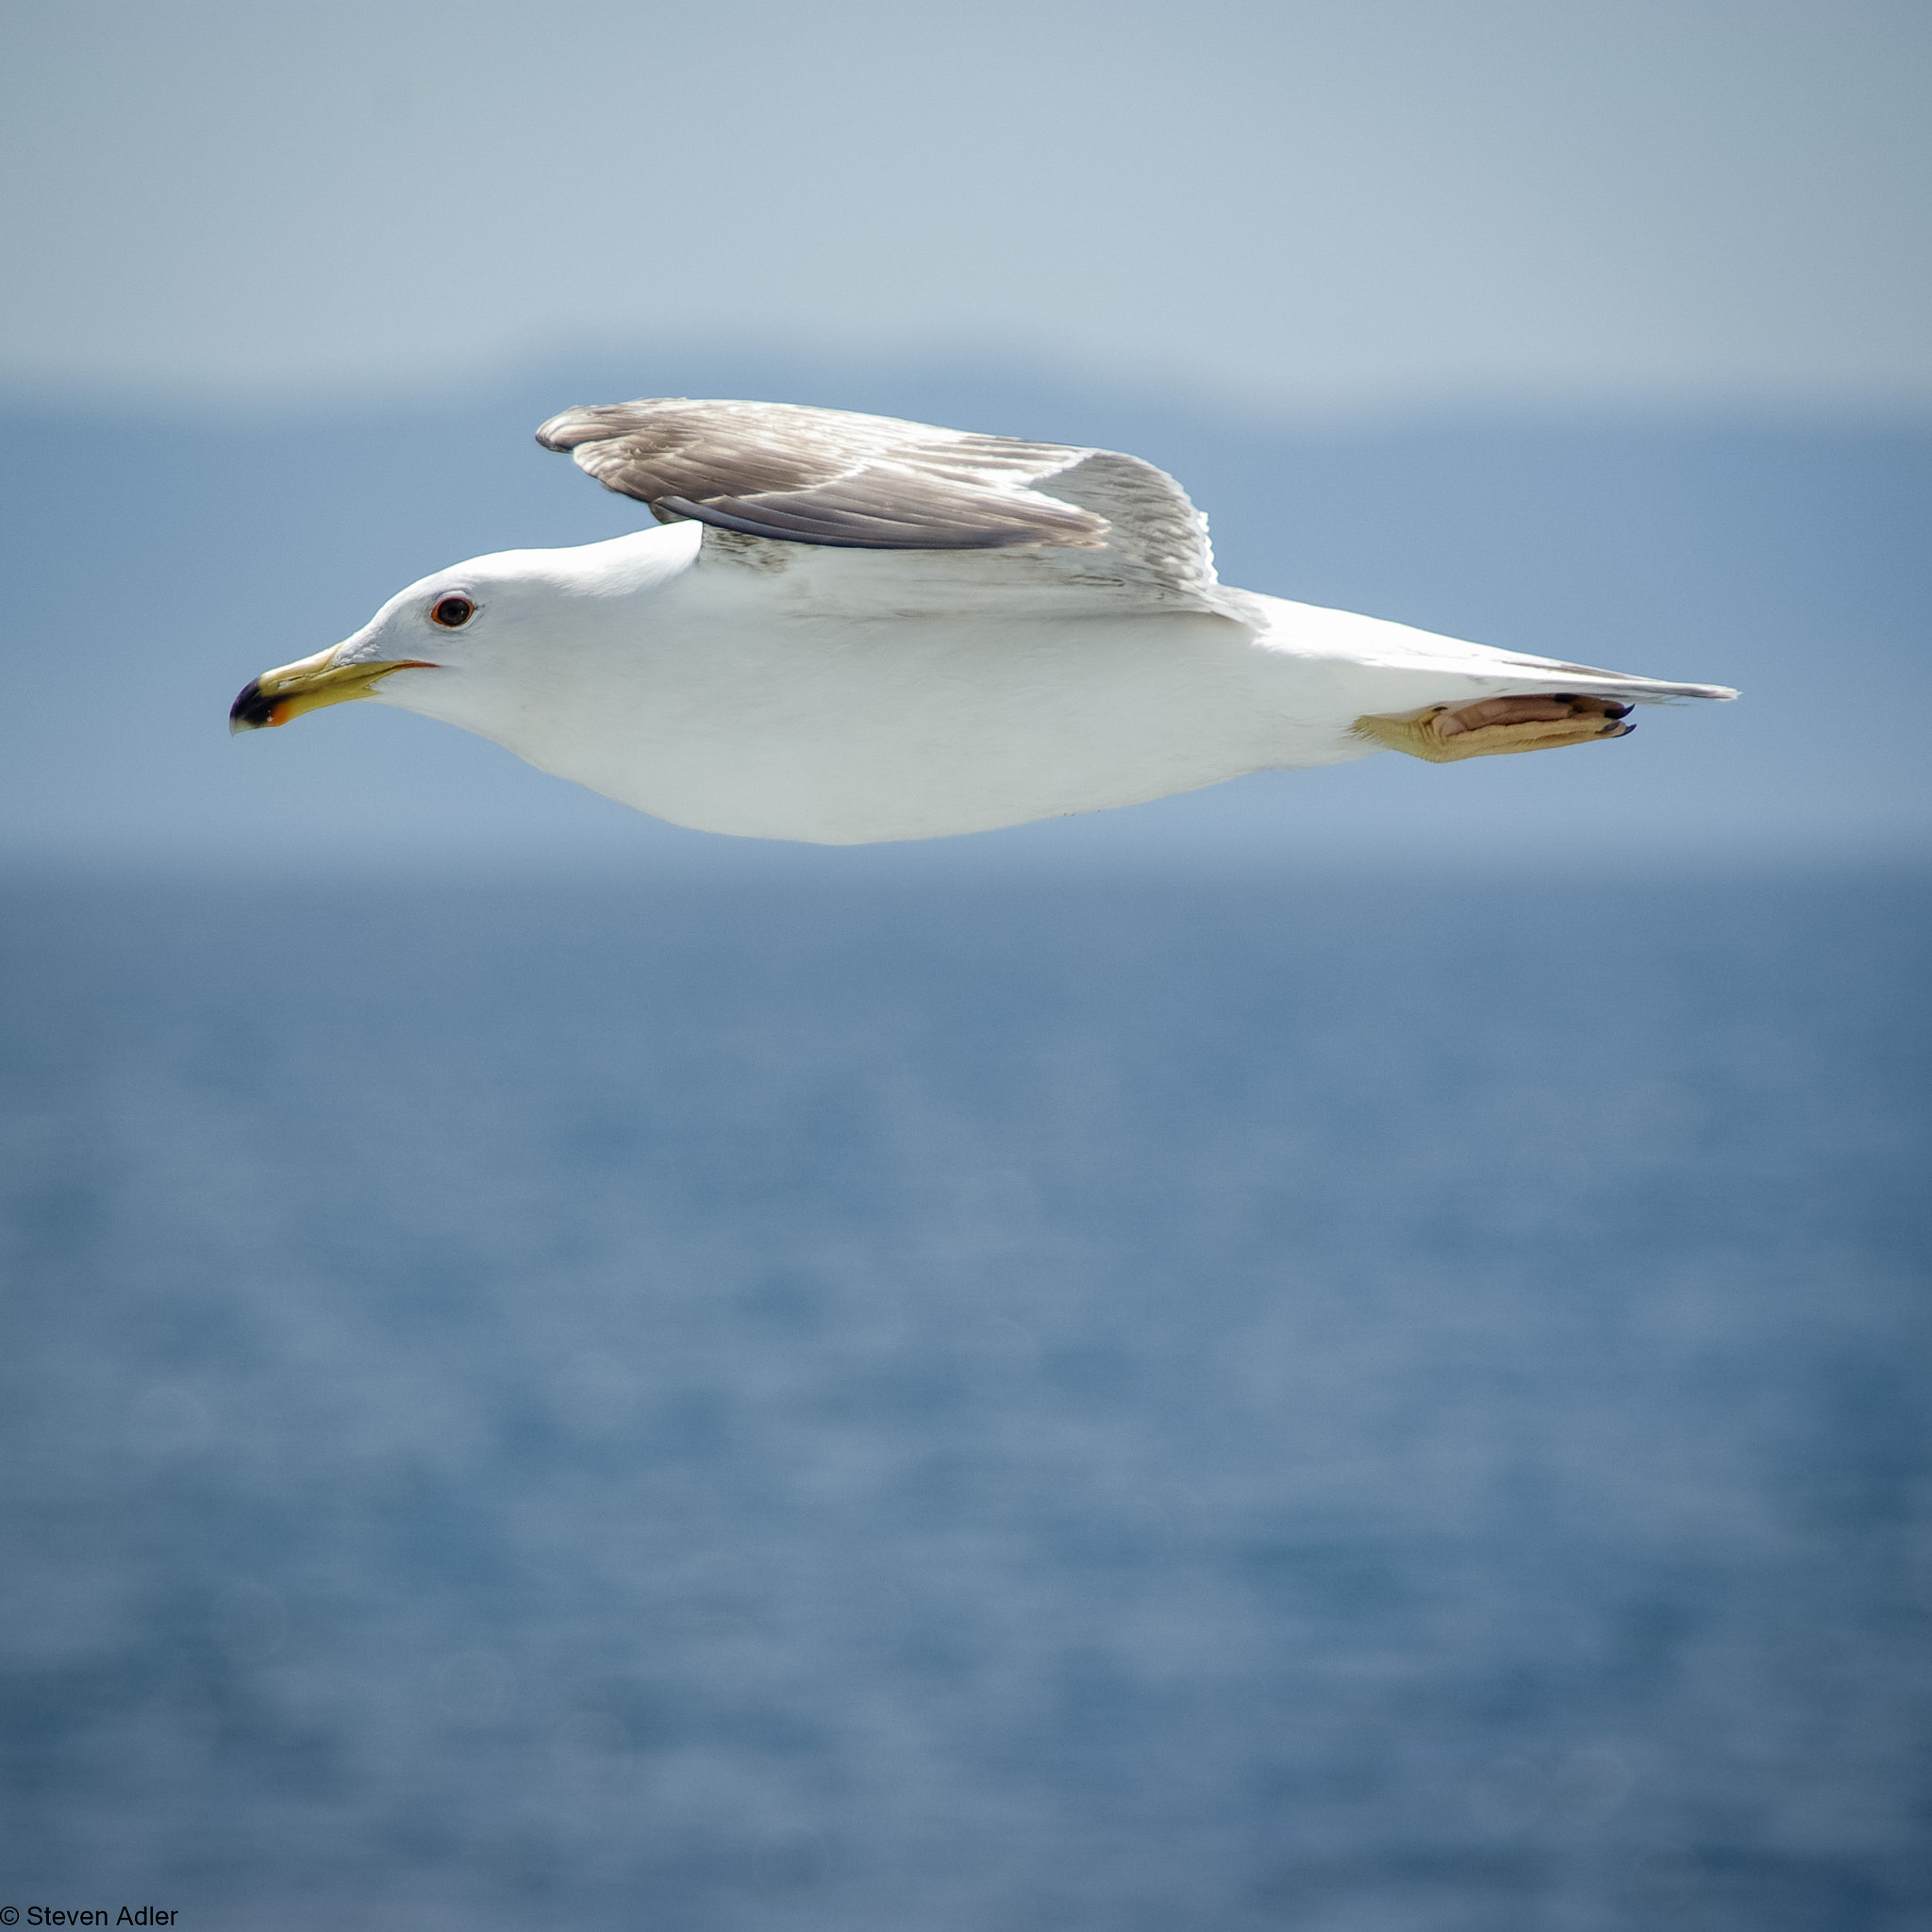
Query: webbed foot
{"type": "Point", "coordinates": [1444, 733]}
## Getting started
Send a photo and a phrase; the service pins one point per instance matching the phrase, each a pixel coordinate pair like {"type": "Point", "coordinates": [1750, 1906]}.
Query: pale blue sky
{"type": "Point", "coordinates": [1378, 205]}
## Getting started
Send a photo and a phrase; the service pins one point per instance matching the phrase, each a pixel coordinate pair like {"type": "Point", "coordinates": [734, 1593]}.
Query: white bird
{"type": "Point", "coordinates": [850, 628]}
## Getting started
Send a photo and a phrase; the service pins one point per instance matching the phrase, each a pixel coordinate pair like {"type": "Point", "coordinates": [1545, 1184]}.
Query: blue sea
{"type": "Point", "coordinates": [854, 1403]}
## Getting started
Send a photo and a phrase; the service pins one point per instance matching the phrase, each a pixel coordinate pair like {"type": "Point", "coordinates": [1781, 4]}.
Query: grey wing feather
{"type": "Point", "coordinates": [1156, 539]}
{"type": "Point", "coordinates": [824, 477]}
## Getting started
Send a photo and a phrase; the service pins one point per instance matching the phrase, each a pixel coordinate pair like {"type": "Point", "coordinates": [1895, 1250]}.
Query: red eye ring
{"type": "Point", "coordinates": [452, 613]}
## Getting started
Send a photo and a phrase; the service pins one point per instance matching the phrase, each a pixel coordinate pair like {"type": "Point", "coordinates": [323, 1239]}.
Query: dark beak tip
{"type": "Point", "coordinates": [251, 710]}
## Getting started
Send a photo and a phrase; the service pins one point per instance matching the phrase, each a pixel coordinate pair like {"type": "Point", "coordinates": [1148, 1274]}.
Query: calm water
{"type": "Point", "coordinates": [895, 1409]}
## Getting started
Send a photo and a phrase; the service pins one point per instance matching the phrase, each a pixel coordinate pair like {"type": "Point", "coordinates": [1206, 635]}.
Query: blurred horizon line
{"type": "Point", "coordinates": [608, 365]}
{"type": "Point", "coordinates": [701, 862]}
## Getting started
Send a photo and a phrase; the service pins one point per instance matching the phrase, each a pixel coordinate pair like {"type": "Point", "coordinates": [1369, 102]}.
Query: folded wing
{"type": "Point", "coordinates": [1085, 523]}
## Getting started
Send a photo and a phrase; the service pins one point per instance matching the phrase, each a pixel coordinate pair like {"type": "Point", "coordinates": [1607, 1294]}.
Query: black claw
{"type": "Point", "coordinates": [1619, 712]}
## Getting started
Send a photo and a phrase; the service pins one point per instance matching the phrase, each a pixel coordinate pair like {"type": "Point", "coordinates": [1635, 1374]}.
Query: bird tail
{"type": "Point", "coordinates": [1418, 667]}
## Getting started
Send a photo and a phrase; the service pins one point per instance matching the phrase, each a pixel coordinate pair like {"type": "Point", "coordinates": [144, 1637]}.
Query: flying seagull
{"type": "Point", "coordinates": [848, 628]}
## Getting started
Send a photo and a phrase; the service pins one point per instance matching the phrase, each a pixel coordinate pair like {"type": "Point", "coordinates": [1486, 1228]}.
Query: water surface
{"type": "Point", "coordinates": [1321, 1404]}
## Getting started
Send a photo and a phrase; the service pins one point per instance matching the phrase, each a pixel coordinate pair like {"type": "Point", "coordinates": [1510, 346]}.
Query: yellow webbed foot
{"type": "Point", "coordinates": [1444, 733]}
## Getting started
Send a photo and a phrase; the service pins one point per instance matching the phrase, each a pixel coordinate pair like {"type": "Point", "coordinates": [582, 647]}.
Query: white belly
{"type": "Point", "coordinates": [921, 727]}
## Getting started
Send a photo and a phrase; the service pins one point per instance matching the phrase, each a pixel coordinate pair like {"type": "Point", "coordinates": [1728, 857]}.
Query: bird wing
{"type": "Point", "coordinates": [1081, 524]}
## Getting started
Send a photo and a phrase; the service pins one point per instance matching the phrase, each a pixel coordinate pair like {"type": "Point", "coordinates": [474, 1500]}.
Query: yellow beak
{"type": "Point", "coordinates": [307, 685]}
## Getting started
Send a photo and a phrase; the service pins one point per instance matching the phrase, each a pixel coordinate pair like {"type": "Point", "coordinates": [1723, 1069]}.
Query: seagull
{"type": "Point", "coordinates": [846, 628]}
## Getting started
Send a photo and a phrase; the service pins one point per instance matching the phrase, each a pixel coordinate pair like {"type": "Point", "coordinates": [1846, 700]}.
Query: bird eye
{"type": "Point", "coordinates": [452, 612]}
